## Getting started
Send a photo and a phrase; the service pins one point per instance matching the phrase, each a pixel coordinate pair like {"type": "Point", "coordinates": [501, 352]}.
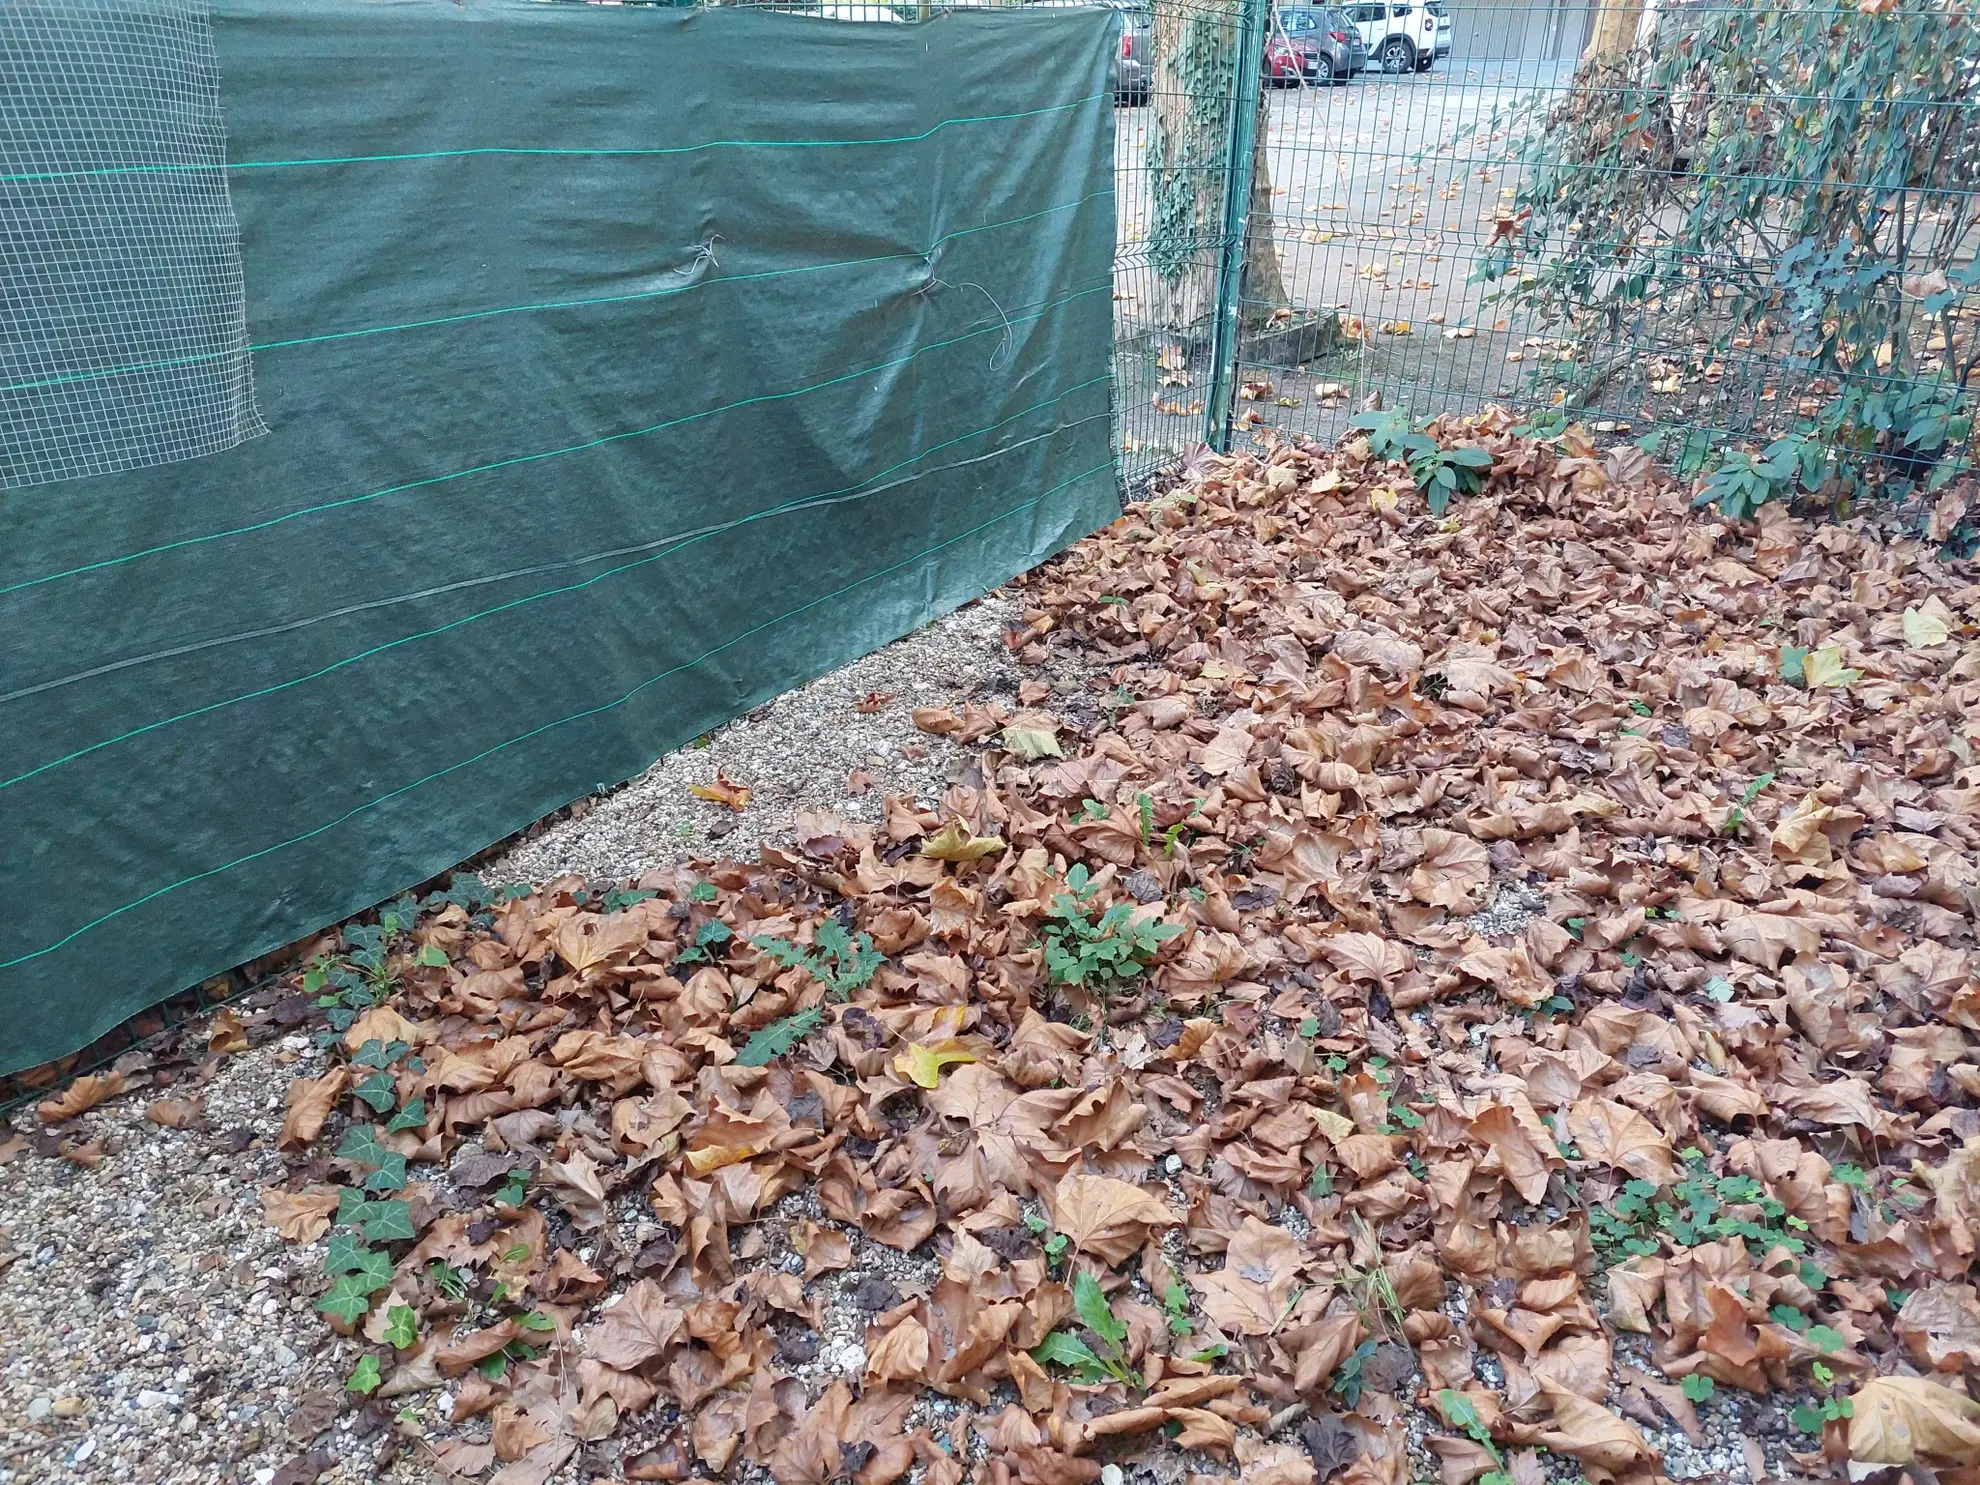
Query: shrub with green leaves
{"type": "Point", "coordinates": [1440, 473]}
{"type": "Point", "coordinates": [837, 959]}
{"type": "Point", "coordinates": [1066, 1348]}
{"type": "Point", "coordinates": [1757, 220]}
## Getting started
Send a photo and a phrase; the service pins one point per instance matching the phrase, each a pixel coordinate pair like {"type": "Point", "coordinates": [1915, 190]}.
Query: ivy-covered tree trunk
{"type": "Point", "coordinates": [1194, 47]}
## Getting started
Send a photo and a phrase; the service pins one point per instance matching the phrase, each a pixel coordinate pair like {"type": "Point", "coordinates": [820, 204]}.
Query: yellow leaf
{"type": "Point", "coordinates": [953, 842]}
{"type": "Point", "coordinates": [922, 1065]}
{"type": "Point", "coordinates": [714, 1157]}
{"type": "Point", "coordinates": [1927, 625]}
{"type": "Point", "coordinates": [1824, 667]}
{"type": "Point", "coordinates": [1336, 1127]}
{"type": "Point", "coordinates": [724, 791]}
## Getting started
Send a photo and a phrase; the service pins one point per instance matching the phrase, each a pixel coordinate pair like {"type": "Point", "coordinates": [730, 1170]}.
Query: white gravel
{"type": "Point", "coordinates": [157, 1330]}
{"type": "Point", "coordinates": [795, 753]}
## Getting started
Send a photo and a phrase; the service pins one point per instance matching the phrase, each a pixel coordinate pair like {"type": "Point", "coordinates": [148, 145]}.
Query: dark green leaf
{"type": "Point", "coordinates": [380, 1090]}
{"type": "Point", "coordinates": [779, 1037]}
{"type": "Point", "coordinates": [387, 1221]}
{"type": "Point", "coordinates": [1090, 1303]}
{"type": "Point", "coordinates": [347, 1300]}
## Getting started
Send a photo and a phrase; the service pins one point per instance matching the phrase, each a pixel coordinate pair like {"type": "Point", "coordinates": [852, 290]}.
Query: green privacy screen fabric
{"type": "Point", "coordinates": [621, 368]}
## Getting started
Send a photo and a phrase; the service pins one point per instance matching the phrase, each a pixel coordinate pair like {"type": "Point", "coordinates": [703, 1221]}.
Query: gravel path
{"type": "Point", "coordinates": [155, 1330]}
{"type": "Point", "coordinates": [812, 748]}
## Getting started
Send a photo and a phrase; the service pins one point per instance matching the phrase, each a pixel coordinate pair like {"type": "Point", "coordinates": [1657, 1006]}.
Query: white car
{"type": "Point", "coordinates": [1399, 37]}
{"type": "Point", "coordinates": [1442, 12]}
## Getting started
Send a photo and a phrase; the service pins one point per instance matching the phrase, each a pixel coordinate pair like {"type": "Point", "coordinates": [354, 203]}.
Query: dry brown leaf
{"type": "Point", "coordinates": [1616, 1135]}
{"type": "Point", "coordinates": [80, 1097]}
{"type": "Point", "coordinates": [1906, 1420]}
{"type": "Point", "coordinates": [299, 1216]}
{"type": "Point", "coordinates": [639, 1328]}
{"type": "Point", "coordinates": [1105, 1217]}
{"type": "Point", "coordinates": [176, 1113]}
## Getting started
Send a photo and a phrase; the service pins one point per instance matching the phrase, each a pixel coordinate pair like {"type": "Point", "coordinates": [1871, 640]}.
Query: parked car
{"type": "Point", "coordinates": [1399, 38]}
{"type": "Point", "coordinates": [1131, 64]}
{"type": "Point", "coordinates": [1290, 61]}
{"type": "Point", "coordinates": [1442, 12]}
{"type": "Point", "coordinates": [1342, 53]}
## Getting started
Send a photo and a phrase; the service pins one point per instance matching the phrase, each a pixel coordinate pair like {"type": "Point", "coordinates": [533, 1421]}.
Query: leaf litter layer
{"type": "Point", "coordinates": [1476, 992]}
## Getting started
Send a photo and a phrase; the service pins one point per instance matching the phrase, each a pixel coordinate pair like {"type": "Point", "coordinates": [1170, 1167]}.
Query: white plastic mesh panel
{"type": "Point", "coordinates": [123, 329]}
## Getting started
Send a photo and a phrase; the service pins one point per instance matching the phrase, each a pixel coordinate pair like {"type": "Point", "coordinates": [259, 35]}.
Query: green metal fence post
{"type": "Point", "coordinates": [1247, 67]}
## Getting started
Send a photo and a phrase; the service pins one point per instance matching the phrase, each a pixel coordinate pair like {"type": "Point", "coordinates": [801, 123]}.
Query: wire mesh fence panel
{"type": "Point", "coordinates": [1741, 233]}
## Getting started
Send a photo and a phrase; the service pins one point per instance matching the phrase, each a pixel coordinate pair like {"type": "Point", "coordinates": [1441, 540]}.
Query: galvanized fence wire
{"type": "Point", "coordinates": [1718, 226]}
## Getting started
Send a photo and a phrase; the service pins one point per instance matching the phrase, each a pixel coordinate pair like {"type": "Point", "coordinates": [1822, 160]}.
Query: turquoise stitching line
{"type": "Point", "coordinates": [440, 479]}
{"type": "Point", "coordinates": [674, 149]}
{"type": "Point", "coordinates": [546, 727]}
{"type": "Point", "coordinates": [671, 543]}
{"type": "Point", "coordinates": [513, 309]}
{"type": "Point", "coordinates": [449, 626]}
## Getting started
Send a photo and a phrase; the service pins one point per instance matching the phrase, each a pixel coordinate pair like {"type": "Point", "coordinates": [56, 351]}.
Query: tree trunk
{"type": "Point", "coordinates": [1615, 28]}
{"type": "Point", "coordinates": [1264, 281]}
{"type": "Point", "coordinates": [1193, 46]}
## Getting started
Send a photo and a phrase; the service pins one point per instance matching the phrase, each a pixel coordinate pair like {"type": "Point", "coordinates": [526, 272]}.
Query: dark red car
{"type": "Point", "coordinates": [1291, 60]}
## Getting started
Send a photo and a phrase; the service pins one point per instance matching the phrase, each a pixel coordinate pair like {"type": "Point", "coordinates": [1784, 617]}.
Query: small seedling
{"type": "Point", "coordinates": [1347, 1376]}
{"type": "Point", "coordinates": [1065, 1348]}
{"type": "Point", "coordinates": [779, 1037]}
{"type": "Point", "coordinates": [1102, 954]}
{"type": "Point", "coordinates": [1809, 1417]}
{"type": "Point", "coordinates": [839, 960]}
{"type": "Point", "coordinates": [1175, 1303]}
{"type": "Point", "coordinates": [713, 932]}
{"type": "Point", "coordinates": [1698, 1387]}
{"type": "Point", "coordinates": [1738, 815]}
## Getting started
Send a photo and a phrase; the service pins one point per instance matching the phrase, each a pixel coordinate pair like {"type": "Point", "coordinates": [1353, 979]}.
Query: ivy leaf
{"type": "Point", "coordinates": [412, 1116]}
{"type": "Point", "coordinates": [366, 1376]}
{"type": "Point", "coordinates": [350, 1206]}
{"type": "Point", "coordinates": [431, 956]}
{"type": "Point", "coordinates": [387, 1221]}
{"type": "Point", "coordinates": [390, 1175]}
{"type": "Point", "coordinates": [402, 1326]}
{"type": "Point", "coordinates": [361, 1145]}
{"type": "Point", "coordinates": [346, 1253]}
{"type": "Point", "coordinates": [380, 1090]}
{"type": "Point", "coordinates": [347, 1300]}
{"type": "Point", "coordinates": [373, 1269]}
